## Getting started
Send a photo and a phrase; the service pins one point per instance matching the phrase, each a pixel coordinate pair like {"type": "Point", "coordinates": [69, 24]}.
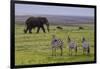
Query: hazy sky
{"type": "Point", "coordinates": [26, 9]}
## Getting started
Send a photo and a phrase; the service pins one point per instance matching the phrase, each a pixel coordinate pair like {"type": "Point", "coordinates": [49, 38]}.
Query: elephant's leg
{"type": "Point", "coordinates": [30, 30]}
{"type": "Point", "coordinates": [38, 29]}
{"type": "Point", "coordinates": [43, 29]}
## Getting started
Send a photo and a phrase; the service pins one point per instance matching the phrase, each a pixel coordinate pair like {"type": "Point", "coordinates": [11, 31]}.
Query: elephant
{"type": "Point", "coordinates": [36, 22]}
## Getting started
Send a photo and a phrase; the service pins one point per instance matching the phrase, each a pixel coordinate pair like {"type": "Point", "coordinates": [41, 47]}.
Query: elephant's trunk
{"type": "Point", "coordinates": [25, 30]}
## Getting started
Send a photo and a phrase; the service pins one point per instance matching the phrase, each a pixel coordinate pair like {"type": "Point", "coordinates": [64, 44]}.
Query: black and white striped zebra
{"type": "Point", "coordinates": [85, 46]}
{"type": "Point", "coordinates": [72, 46]}
{"type": "Point", "coordinates": [56, 43]}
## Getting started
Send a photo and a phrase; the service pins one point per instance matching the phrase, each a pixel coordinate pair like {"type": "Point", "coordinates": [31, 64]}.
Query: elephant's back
{"type": "Point", "coordinates": [32, 20]}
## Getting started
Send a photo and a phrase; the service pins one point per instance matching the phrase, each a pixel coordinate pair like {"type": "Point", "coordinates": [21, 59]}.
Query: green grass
{"type": "Point", "coordinates": [36, 49]}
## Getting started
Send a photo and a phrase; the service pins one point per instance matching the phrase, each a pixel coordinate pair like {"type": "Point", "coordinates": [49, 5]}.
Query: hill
{"type": "Point", "coordinates": [58, 19]}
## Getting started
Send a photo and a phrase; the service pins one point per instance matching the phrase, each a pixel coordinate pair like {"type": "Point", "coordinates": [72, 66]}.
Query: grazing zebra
{"type": "Point", "coordinates": [56, 43]}
{"type": "Point", "coordinates": [72, 46]}
{"type": "Point", "coordinates": [85, 46]}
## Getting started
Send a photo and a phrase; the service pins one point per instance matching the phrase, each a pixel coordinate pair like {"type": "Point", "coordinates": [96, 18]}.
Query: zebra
{"type": "Point", "coordinates": [72, 46]}
{"type": "Point", "coordinates": [56, 43]}
{"type": "Point", "coordinates": [85, 46]}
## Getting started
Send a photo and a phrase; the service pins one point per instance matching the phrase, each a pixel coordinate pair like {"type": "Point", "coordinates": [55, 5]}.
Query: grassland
{"type": "Point", "coordinates": [36, 49]}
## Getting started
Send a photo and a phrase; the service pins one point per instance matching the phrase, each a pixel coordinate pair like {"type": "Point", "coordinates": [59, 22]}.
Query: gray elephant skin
{"type": "Point", "coordinates": [36, 22]}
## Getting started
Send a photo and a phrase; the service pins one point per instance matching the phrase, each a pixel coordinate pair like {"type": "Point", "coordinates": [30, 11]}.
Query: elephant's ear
{"type": "Point", "coordinates": [43, 20]}
{"type": "Point", "coordinates": [46, 20]}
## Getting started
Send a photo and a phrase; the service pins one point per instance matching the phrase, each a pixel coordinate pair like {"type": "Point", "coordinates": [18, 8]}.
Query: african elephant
{"type": "Point", "coordinates": [36, 22]}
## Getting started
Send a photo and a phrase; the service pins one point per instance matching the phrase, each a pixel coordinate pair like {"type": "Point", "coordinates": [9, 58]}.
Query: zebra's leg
{"type": "Point", "coordinates": [88, 51]}
{"type": "Point", "coordinates": [61, 51]}
{"type": "Point", "coordinates": [52, 51]}
{"type": "Point", "coordinates": [76, 51]}
{"type": "Point", "coordinates": [69, 51]}
{"type": "Point", "coordinates": [55, 51]}
{"type": "Point", "coordinates": [84, 51]}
